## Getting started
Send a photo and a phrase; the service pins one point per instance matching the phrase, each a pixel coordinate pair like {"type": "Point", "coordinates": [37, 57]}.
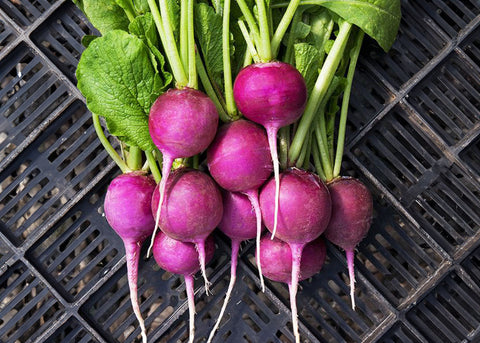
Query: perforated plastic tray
{"type": "Point", "coordinates": [414, 138]}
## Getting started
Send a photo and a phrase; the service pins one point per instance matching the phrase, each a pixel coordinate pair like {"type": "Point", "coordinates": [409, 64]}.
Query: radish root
{"type": "Point", "coordinates": [191, 306]}
{"type": "Point", "coordinates": [351, 272]}
{"type": "Point", "coordinates": [253, 197]}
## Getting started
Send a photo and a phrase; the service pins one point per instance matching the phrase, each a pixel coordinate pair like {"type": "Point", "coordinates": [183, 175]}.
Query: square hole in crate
{"type": "Point", "coordinates": [394, 257]}
{"type": "Point", "coordinates": [397, 152]}
{"type": "Point", "coordinates": [401, 333]}
{"type": "Point", "coordinates": [29, 94]}
{"type": "Point", "coordinates": [7, 34]}
{"type": "Point", "coordinates": [450, 312]}
{"type": "Point", "coordinates": [79, 250]}
{"type": "Point", "coordinates": [60, 37]}
{"type": "Point", "coordinates": [369, 96]}
{"type": "Point", "coordinates": [58, 164]}
{"type": "Point", "coordinates": [418, 41]}
{"type": "Point", "coordinates": [25, 12]}
{"type": "Point", "coordinates": [27, 308]}
{"type": "Point", "coordinates": [71, 331]}
{"type": "Point", "coordinates": [450, 16]}
{"type": "Point", "coordinates": [449, 210]}
{"type": "Point", "coordinates": [449, 98]}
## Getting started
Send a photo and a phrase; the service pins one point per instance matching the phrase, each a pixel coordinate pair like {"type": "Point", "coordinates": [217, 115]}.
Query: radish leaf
{"type": "Point", "coordinates": [118, 76]}
{"type": "Point", "coordinates": [105, 15]}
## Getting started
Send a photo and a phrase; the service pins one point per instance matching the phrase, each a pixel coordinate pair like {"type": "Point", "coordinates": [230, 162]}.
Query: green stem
{"type": "Point", "coordinates": [107, 146]}
{"type": "Point", "coordinates": [283, 26]}
{"type": "Point", "coordinates": [250, 19]}
{"type": "Point", "coordinates": [303, 153]}
{"type": "Point", "coordinates": [321, 144]}
{"type": "Point", "coordinates": [247, 59]}
{"type": "Point", "coordinates": [283, 142]}
{"type": "Point", "coordinates": [157, 18]}
{"type": "Point", "coordinates": [316, 160]}
{"type": "Point", "coordinates": [227, 67]}
{"type": "Point", "coordinates": [129, 11]}
{"type": "Point", "coordinates": [152, 163]}
{"type": "Point", "coordinates": [320, 89]}
{"type": "Point", "coordinates": [306, 162]}
{"type": "Point", "coordinates": [192, 69]}
{"type": "Point", "coordinates": [355, 52]}
{"type": "Point", "coordinates": [250, 45]}
{"type": "Point", "coordinates": [184, 32]}
{"type": "Point", "coordinates": [207, 86]}
{"type": "Point", "coordinates": [289, 57]}
{"type": "Point", "coordinates": [134, 159]}
{"type": "Point", "coordinates": [170, 47]}
{"type": "Point", "coordinates": [264, 45]}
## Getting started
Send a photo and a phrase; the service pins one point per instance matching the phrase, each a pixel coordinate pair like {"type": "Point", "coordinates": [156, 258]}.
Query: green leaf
{"type": "Point", "coordinates": [87, 39]}
{"type": "Point", "coordinates": [307, 61]}
{"type": "Point", "coordinates": [141, 6]}
{"type": "Point", "coordinates": [321, 26]}
{"type": "Point", "coordinates": [119, 81]}
{"type": "Point", "coordinates": [144, 28]}
{"type": "Point", "coordinates": [127, 6]}
{"type": "Point", "coordinates": [380, 19]}
{"type": "Point", "coordinates": [105, 15]}
{"type": "Point", "coordinates": [79, 4]}
{"type": "Point", "coordinates": [208, 28]}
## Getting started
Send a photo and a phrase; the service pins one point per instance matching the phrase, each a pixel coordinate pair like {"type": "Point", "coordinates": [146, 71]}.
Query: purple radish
{"type": "Point", "coordinates": [304, 211]}
{"type": "Point", "coordinates": [239, 223]}
{"type": "Point", "coordinates": [352, 209]}
{"type": "Point", "coordinates": [239, 160]}
{"type": "Point", "coordinates": [182, 258]}
{"type": "Point", "coordinates": [279, 263]}
{"type": "Point", "coordinates": [128, 211]}
{"type": "Point", "coordinates": [192, 209]}
{"type": "Point", "coordinates": [182, 123]}
{"type": "Point", "coordinates": [274, 95]}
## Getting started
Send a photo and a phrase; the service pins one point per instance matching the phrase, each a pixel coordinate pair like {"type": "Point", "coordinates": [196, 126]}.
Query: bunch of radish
{"type": "Point", "coordinates": [257, 143]}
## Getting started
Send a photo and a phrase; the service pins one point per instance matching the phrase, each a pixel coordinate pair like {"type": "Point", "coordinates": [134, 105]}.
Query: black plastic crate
{"type": "Point", "coordinates": [414, 139]}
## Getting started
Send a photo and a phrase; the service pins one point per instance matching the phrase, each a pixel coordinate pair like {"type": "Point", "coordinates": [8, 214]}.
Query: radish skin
{"type": "Point", "coordinates": [300, 192]}
{"type": "Point", "coordinates": [352, 210]}
{"type": "Point", "coordinates": [182, 123]}
{"type": "Point", "coordinates": [182, 258]}
{"type": "Point", "coordinates": [274, 95]}
{"type": "Point", "coordinates": [239, 160]}
{"type": "Point", "coordinates": [127, 210]}
{"type": "Point", "coordinates": [192, 209]}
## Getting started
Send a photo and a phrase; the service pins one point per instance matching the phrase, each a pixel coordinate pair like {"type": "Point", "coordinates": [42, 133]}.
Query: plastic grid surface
{"type": "Point", "coordinates": [414, 138]}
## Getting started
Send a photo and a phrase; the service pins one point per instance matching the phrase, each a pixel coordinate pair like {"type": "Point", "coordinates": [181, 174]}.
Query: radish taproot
{"type": "Point", "coordinates": [274, 95]}
{"type": "Point", "coordinates": [281, 263]}
{"type": "Point", "coordinates": [304, 211]}
{"type": "Point", "coordinates": [182, 123]}
{"type": "Point", "coordinates": [352, 210]}
{"type": "Point", "coordinates": [182, 258]}
{"type": "Point", "coordinates": [239, 223]}
{"type": "Point", "coordinates": [128, 211]}
{"type": "Point", "coordinates": [192, 209]}
{"type": "Point", "coordinates": [239, 161]}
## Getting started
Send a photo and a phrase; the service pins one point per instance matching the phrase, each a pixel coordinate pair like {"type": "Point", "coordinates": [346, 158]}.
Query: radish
{"type": "Point", "coordinates": [127, 209]}
{"type": "Point", "coordinates": [239, 160]}
{"type": "Point", "coordinates": [192, 209]}
{"type": "Point", "coordinates": [239, 223]}
{"type": "Point", "coordinates": [182, 258]}
{"type": "Point", "coordinates": [280, 262]}
{"type": "Point", "coordinates": [304, 211]}
{"type": "Point", "coordinates": [352, 209]}
{"type": "Point", "coordinates": [182, 123]}
{"type": "Point", "coordinates": [274, 95]}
